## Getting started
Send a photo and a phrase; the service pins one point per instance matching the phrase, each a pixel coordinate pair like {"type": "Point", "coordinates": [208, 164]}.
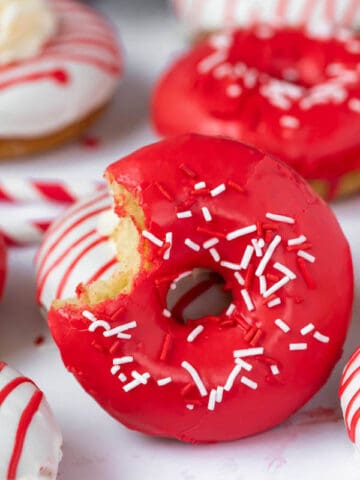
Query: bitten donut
{"type": "Point", "coordinates": [288, 94]}
{"type": "Point", "coordinates": [319, 16]}
{"type": "Point", "coordinates": [194, 202]}
{"type": "Point", "coordinates": [30, 441]}
{"type": "Point", "coordinates": [59, 67]}
{"type": "Point", "coordinates": [349, 394]}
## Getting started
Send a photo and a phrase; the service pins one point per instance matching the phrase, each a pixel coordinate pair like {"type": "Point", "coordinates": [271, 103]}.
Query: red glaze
{"type": "Point", "coordinates": [2, 264]}
{"type": "Point", "coordinates": [289, 95]}
{"type": "Point", "coordinates": [272, 384]}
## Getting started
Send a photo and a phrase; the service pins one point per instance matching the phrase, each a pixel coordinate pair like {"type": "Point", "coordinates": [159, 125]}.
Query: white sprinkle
{"type": "Point", "coordinates": [230, 265]}
{"type": "Point", "coordinates": [354, 105]}
{"type": "Point", "coordinates": [223, 70]}
{"type": "Point", "coordinates": [119, 331]}
{"type": "Point", "coordinates": [263, 286]}
{"type": "Point", "coordinates": [250, 78]}
{"type": "Point", "coordinates": [164, 381]}
{"type": "Point", "coordinates": [185, 214]}
{"type": "Point", "coordinates": [288, 121]}
{"type": "Point", "coordinates": [243, 364]}
{"type": "Point", "coordinates": [152, 238]}
{"type": "Point", "coordinates": [241, 232]}
{"type": "Point", "coordinates": [192, 245]}
{"type": "Point", "coordinates": [196, 377]}
{"type": "Point", "coordinates": [307, 329]}
{"type": "Point", "coordinates": [297, 346]}
{"type": "Point", "coordinates": [234, 91]}
{"type": "Point", "coordinates": [199, 185]}
{"type": "Point", "coordinates": [248, 352]}
{"type": "Point", "coordinates": [249, 383]}
{"type": "Point", "coordinates": [138, 380]}
{"type": "Point", "coordinates": [212, 400]}
{"type": "Point", "coordinates": [190, 406]}
{"type": "Point", "coordinates": [245, 261]}
{"type": "Point", "coordinates": [215, 254]}
{"type": "Point", "coordinates": [274, 303]}
{"type": "Point", "coordinates": [258, 245]}
{"type": "Point", "coordinates": [210, 243]}
{"type": "Point", "coordinates": [232, 377]}
{"type": "Point", "coordinates": [274, 370]}
{"type": "Point", "coordinates": [239, 69]}
{"type": "Point", "coordinates": [206, 214]}
{"type": "Point", "coordinates": [248, 302]}
{"type": "Point", "coordinates": [230, 310]}
{"type": "Point", "coordinates": [168, 239]}
{"type": "Point", "coordinates": [219, 394]}
{"type": "Point", "coordinates": [239, 278]}
{"type": "Point", "coordinates": [89, 316]}
{"type": "Point", "coordinates": [195, 333]}
{"type": "Point", "coordinates": [268, 254]}
{"type": "Point", "coordinates": [321, 338]}
{"type": "Point", "coordinates": [114, 370]}
{"type": "Point", "coordinates": [167, 313]}
{"type": "Point", "coordinates": [210, 62]}
{"type": "Point", "coordinates": [297, 241]}
{"type": "Point", "coordinates": [122, 377]}
{"type": "Point", "coordinates": [123, 360]}
{"type": "Point", "coordinates": [99, 324]}
{"type": "Point", "coordinates": [276, 287]}
{"type": "Point", "coordinates": [218, 190]}
{"type": "Point", "coordinates": [280, 218]}
{"type": "Point", "coordinates": [282, 325]}
{"type": "Point", "coordinates": [306, 256]}
{"type": "Point", "coordinates": [286, 271]}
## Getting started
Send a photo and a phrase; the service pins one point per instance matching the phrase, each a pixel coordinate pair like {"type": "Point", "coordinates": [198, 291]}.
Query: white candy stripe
{"type": "Point", "coordinates": [195, 333]}
{"type": "Point", "coordinates": [192, 245]}
{"type": "Point", "coordinates": [281, 283]}
{"type": "Point", "coordinates": [164, 381]}
{"type": "Point", "coordinates": [230, 310]}
{"type": "Point", "coordinates": [248, 352]}
{"type": "Point", "coordinates": [232, 377]}
{"type": "Point", "coordinates": [297, 346]}
{"type": "Point", "coordinates": [206, 214]}
{"type": "Point", "coordinates": [247, 299]}
{"type": "Point", "coordinates": [321, 338]}
{"type": "Point", "coordinates": [282, 325]}
{"type": "Point", "coordinates": [297, 240]}
{"type": "Point", "coordinates": [230, 265]}
{"type": "Point", "coordinates": [280, 218]}
{"type": "Point", "coordinates": [119, 331]}
{"type": "Point", "coordinates": [274, 370]}
{"type": "Point", "coordinates": [138, 380]}
{"type": "Point", "coordinates": [247, 366]}
{"type": "Point", "coordinates": [241, 232]}
{"type": "Point", "coordinates": [268, 254]}
{"type": "Point", "coordinates": [218, 190]}
{"type": "Point", "coordinates": [274, 303]}
{"type": "Point", "coordinates": [210, 243]}
{"type": "Point", "coordinates": [246, 259]}
{"type": "Point", "coordinates": [123, 360]}
{"type": "Point", "coordinates": [219, 394]}
{"type": "Point", "coordinates": [249, 383]}
{"type": "Point", "coordinates": [168, 239]}
{"type": "Point", "coordinates": [152, 238]}
{"type": "Point", "coordinates": [196, 377]}
{"type": "Point", "coordinates": [199, 185]}
{"type": "Point", "coordinates": [215, 254]}
{"type": "Point", "coordinates": [186, 214]}
{"type": "Point", "coordinates": [306, 256]}
{"type": "Point", "coordinates": [307, 329]}
{"type": "Point", "coordinates": [239, 278]}
{"type": "Point", "coordinates": [286, 271]}
{"type": "Point", "coordinates": [212, 400]}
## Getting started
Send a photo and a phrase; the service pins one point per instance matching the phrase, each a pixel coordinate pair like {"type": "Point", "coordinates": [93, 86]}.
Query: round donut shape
{"type": "Point", "coordinates": [286, 93]}
{"type": "Point", "coordinates": [77, 72]}
{"type": "Point", "coordinates": [349, 393]}
{"type": "Point", "coordinates": [201, 202]}
{"type": "Point", "coordinates": [30, 439]}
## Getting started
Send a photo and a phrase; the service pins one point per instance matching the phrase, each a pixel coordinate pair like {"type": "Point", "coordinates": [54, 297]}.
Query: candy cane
{"type": "Point", "coordinates": [17, 190]}
{"type": "Point", "coordinates": [22, 233]}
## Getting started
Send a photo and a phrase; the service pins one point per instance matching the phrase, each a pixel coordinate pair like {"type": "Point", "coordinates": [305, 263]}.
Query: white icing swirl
{"type": "Point", "coordinates": [25, 26]}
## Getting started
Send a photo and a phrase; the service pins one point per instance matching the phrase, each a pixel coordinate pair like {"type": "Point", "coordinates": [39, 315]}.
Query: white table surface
{"type": "Point", "coordinates": [311, 444]}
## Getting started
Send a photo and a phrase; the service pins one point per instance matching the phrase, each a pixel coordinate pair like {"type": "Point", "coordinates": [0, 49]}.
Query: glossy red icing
{"type": "Point", "coordinates": [288, 94]}
{"type": "Point", "coordinates": [279, 371]}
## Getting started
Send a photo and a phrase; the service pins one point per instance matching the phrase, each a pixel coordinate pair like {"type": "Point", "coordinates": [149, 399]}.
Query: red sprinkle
{"type": "Point", "coordinates": [212, 233]}
{"type": "Point", "coordinates": [302, 246]}
{"type": "Point", "coordinates": [164, 192]}
{"type": "Point", "coordinates": [166, 347]}
{"type": "Point", "coordinates": [304, 272]}
{"type": "Point", "coordinates": [190, 173]}
{"type": "Point", "coordinates": [249, 276]}
{"type": "Point", "coordinates": [236, 186]}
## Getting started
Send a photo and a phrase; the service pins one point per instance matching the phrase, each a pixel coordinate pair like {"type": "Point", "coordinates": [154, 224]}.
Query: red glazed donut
{"type": "Point", "coordinates": [212, 203]}
{"type": "Point", "coordinates": [288, 94]}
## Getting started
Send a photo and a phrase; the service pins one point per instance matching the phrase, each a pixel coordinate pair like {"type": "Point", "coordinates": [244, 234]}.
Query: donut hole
{"type": "Point", "coordinates": [196, 294]}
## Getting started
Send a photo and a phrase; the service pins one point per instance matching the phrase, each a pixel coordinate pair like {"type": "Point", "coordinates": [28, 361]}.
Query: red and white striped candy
{"type": "Point", "coordinates": [19, 190]}
{"type": "Point", "coordinates": [22, 233]}
{"type": "Point", "coordinates": [74, 251]}
{"type": "Point", "coordinates": [350, 397]}
{"type": "Point", "coordinates": [318, 15]}
{"type": "Point", "coordinates": [30, 441]}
